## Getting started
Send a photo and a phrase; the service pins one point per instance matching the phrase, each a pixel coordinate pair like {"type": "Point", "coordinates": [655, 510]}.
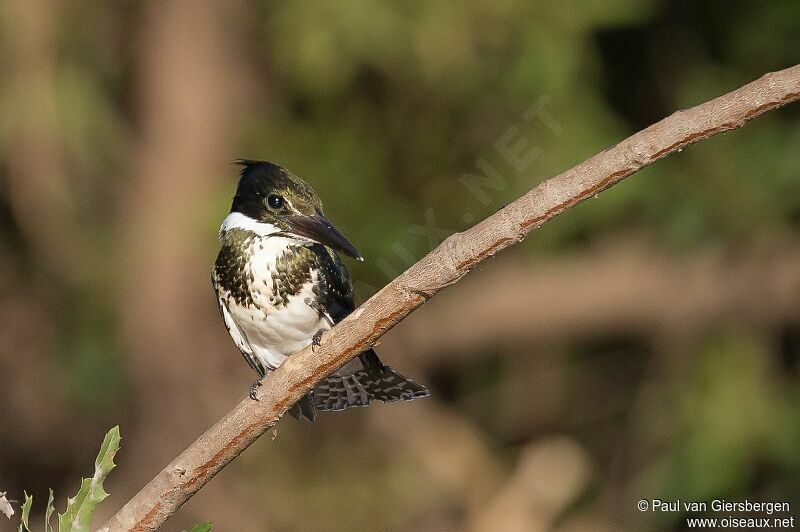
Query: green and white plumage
{"type": "Point", "coordinates": [278, 285]}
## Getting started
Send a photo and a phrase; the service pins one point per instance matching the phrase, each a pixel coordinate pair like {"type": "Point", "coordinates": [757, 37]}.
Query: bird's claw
{"type": "Point", "coordinates": [254, 389]}
{"type": "Point", "coordinates": [316, 340]}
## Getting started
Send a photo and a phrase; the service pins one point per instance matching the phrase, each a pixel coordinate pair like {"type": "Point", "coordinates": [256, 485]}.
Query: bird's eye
{"type": "Point", "coordinates": [274, 201]}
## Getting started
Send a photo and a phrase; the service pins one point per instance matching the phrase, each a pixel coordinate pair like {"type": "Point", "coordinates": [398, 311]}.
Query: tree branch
{"type": "Point", "coordinates": [445, 265]}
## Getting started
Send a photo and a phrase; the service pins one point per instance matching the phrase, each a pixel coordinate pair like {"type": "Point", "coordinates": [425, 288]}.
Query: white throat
{"type": "Point", "coordinates": [237, 220]}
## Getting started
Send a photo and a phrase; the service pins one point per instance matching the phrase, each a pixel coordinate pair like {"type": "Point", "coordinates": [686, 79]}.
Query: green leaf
{"type": "Point", "coordinates": [202, 527]}
{"type": "Point", "coordinates": [26, 511]}
{"type": "Point", "coordinates": [48, 513]}
{"type": "Point", "coordinates": [78, 515]}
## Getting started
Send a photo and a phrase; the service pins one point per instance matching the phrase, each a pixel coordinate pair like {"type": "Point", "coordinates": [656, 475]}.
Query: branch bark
{"type": "Point", "coordinates": [444, 266]}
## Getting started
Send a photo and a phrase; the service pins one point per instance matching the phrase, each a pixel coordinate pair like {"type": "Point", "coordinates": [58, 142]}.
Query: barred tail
{"type": "Point", "coordinates": [304, 408]}
{"type": "Point", "coordinates": [363, 379]}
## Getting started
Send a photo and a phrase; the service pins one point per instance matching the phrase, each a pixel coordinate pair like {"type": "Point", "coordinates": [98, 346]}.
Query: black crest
{"type": "Point", "coordinates": [256, 180]}
{"type": "Point", "coordinates": [259, 179]}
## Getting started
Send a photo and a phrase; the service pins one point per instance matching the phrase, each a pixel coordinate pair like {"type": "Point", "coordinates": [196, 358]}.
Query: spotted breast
{"type": "Point", "coordinates": [266, 291]}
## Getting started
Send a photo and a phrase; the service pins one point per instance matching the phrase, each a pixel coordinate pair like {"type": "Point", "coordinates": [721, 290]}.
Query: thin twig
{"type": "Point", "coordinates": [445, 265]}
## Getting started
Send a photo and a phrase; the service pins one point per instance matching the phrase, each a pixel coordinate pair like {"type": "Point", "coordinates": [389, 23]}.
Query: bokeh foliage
{"type": "Point", "coordinates": [385, 107]}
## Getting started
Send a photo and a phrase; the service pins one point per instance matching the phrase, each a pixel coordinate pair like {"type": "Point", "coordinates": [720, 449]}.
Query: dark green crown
{"type": "Point", "coordinates": [260, 180]}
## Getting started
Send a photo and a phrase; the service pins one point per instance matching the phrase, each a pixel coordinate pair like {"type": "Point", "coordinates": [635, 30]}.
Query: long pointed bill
{"type": "Point", "coordinates": [319, 229]}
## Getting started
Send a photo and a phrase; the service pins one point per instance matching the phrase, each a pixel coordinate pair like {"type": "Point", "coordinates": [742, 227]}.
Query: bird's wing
{"type": "Point", "coordinates": [237, 334]}
{"type": "Point", "coordinates": [364, 378]}
{"type": "Point", "coordinates": [333, 291]}
{"type": "Point", "coordinates": [240, 339]}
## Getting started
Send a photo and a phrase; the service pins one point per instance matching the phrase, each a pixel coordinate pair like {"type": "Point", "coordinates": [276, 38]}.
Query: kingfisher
{"type": "Point", "coordinates": [280, 283]}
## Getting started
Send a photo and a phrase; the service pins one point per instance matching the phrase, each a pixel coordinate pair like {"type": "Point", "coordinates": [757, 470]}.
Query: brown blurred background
{"type": "Point", "coordinates": [644, 345]}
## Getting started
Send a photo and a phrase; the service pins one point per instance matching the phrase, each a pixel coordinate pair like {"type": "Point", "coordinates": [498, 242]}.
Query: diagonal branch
{"type": "Point", "coordinates": [445, 265]}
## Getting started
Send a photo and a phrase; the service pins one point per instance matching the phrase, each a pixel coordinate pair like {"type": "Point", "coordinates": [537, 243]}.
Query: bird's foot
{"type": "Point", "coordinates": [254, 389]}
{"type": "Point", "coordinates": [316, 340]}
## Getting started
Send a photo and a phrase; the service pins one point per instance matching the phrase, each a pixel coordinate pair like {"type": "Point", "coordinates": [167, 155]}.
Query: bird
{"type": "Point", "coordinates": [280, 283]}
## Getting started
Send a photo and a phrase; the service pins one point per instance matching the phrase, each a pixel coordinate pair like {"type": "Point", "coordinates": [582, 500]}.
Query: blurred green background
{"type": "Point", "coordinates": [645, 344]}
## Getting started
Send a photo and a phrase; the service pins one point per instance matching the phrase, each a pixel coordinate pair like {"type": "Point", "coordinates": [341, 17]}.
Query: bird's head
{"type": "Point", "coordinates": [271, 195]}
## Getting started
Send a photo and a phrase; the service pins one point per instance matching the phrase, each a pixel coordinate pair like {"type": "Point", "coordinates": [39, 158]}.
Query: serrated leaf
{"type": "Point", "coordinates": [48, 513]}
{"type": "Point", "coordinates": [202, 527]}
{"type": "Point", "coordinates": [5, 506]}
{"type": "Point", "coordinates": [78, 515]}
{"type": "Point", "coordinates": [26, 511]}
